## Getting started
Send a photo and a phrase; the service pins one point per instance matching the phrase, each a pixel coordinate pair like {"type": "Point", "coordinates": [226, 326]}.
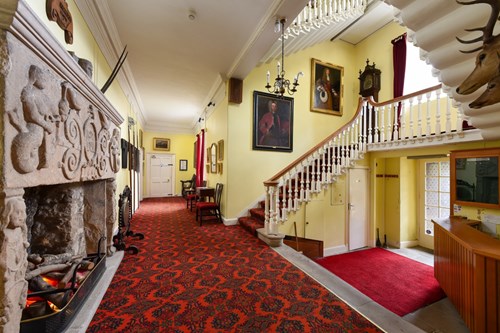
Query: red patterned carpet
{"type": "Point", "coordinates": [399, 284]}
{"type": "Point", "coordinates": [213, 278]}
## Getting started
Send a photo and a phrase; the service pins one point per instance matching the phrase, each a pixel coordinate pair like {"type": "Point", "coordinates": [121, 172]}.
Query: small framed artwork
{"type": "Point", "coordinates": [219, 167]}
{"type": "Point", "coordinates": [220, 150]}
{"type": "Point", "coordinates": [272, 122]}
{"type": "Point", "coordinates": [141, 142]}
{"type": "Point", "coordinates": [161, 144]}
{"type": "Point", "coordinates": [327, 88]}
{"type": "Point", "coordinates": [183, 165]}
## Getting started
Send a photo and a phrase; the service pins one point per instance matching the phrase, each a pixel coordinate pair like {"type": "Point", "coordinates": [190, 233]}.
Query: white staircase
{"type": "Point", "coordinates": [433, 26]}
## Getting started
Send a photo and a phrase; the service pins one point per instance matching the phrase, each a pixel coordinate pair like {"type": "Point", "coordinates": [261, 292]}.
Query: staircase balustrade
{"type": "Point", "coordinates": [414, 119]}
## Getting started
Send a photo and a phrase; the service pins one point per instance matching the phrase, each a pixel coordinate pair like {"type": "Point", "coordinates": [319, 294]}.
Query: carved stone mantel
{"type": "Point", "coordinates": [58, 128]}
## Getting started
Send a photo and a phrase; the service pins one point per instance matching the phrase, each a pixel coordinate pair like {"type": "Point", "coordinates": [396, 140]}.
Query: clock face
{"type": "Point", "coordinates": [368, 82]}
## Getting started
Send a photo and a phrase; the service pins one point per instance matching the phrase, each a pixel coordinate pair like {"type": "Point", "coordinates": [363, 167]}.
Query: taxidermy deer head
{"type": "Point", "coordinates": [488, 59]}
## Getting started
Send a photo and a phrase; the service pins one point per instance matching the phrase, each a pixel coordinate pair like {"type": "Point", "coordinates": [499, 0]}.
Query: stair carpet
{"type": "Point", "coordinates": [255, 220]}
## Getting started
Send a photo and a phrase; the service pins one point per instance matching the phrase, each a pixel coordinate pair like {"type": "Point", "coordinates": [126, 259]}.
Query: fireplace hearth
{"type": "Point", "coordinates": [60, 152]}
{"type": "Point", "coordinates": [57, 321]}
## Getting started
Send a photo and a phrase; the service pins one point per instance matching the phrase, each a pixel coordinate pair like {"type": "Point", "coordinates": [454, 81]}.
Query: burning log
{"type": "Point", "coordinates": [35, 258]}
{"type": "Point", "coordinates": [55, 275]}
{"type": "Point", "coordinates": [67, 277]}
{"type": "Point", "coordinates": [45, 269]}
{"type": "Point", "coordinates": [51, 259]}
{"type": "Point", "coordinates": [59, 299]}
{"type": "Point", "coordinates": [87, 265]}
{"type": "Point", "coordinates": [36, 309]}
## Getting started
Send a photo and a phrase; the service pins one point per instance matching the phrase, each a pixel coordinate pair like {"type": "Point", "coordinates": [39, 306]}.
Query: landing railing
{"type": "Point", "coordinates": [425, 115]}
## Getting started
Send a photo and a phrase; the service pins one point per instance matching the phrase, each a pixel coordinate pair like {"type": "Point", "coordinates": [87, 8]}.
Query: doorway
{"type": "Point", "coordinates": [434, 197]}
{"type": "Point", "coordinates": [358, 208]}
{"type": "Point", "coordinates": [161, 175]}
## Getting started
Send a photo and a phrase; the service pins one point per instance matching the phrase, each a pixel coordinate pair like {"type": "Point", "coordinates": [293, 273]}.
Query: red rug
{"type": "Point", "coordinates": [399, 284]}
{"type": "Point", "coordinates": [213, 278]}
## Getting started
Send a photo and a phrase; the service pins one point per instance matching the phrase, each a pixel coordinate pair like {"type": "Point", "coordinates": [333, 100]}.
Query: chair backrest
{"type": "Point", "coordinates": [218, 193]}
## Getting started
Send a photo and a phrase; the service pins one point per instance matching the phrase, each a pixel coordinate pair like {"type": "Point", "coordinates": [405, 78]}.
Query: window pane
{"type": "Point", "coordinates": [431, 198]}
{"type": "Point", "coordinates": [431, 184]}
{"type": "Point", "coordinates": [432, 169]}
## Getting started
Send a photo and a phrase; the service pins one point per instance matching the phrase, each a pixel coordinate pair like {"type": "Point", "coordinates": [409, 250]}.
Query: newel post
{"type": "Point", "coordinates": [270, 233]}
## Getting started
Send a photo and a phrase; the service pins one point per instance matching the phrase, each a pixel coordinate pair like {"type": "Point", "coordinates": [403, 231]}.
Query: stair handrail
{"type": "Point", "coordinates": [274, 179]}
{"type": "Point", "coordinates": [370, 101]}
{"type": "Point", "coordinates": [330, 158]}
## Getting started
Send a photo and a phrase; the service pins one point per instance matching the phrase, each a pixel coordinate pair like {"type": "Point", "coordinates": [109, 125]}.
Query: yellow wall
{"type": "Point", "coordinates": [217, 124]}
{"type": "Point", "coordinates": [392, 200]}
{"type": "Point", "coordinates": [409, 200]}
{"type": "Point", "coordinates": [182, 146]}
{"type": "Point", "coordinates": [249, 168]}
{"type": "Point", "coordinates": [378, 49]}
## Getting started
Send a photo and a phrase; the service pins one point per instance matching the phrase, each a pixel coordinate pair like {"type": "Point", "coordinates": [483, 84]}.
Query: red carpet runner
{"type": "Point", "coordinates": [213, 278]}
{"type": "Point", "coordinates": [399, 284]}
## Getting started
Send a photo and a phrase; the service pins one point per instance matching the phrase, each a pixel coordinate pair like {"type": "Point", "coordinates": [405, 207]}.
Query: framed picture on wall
{"type": "Point", "coordinates": [326, 87]}
{"type": "Point", "coordinates": [183, 165]}
{"type": "Point", "coordinates": [161, 144]}
{"type": "Point", "coordinates": [272, 122]}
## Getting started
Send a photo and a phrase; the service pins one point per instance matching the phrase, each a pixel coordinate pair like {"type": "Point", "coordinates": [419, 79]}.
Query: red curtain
{"type": "Point", "coordinates": [399, 66]}
{"type": "Point", "coordinates": [200, 150]}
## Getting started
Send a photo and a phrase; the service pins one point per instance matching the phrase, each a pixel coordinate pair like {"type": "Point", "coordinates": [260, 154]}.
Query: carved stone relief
{"type": "Point", "coordinates": [60, 132]}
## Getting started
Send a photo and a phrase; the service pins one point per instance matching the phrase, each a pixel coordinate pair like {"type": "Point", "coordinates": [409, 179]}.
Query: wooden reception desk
{"type": "Point", "coordinates": [467, 266]}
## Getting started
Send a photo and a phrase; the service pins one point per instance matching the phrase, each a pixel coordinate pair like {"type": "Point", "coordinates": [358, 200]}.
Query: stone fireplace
{"type": "Point", "coordinates": [59, 154]}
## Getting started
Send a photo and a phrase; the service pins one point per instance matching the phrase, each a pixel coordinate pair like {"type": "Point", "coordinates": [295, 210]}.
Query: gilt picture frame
{"type": "Point", "coordinates": [327, 88]}
{"type": "Point", "coordinates": [161, 144]}
{"type": "Point", "coordinates": [272, 122]}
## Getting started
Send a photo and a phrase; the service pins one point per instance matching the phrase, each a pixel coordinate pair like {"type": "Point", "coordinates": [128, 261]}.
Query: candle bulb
{"type": "Point", "coordinates": [279, 68]}
{"type": "Point", "coordinates": [268, 76]}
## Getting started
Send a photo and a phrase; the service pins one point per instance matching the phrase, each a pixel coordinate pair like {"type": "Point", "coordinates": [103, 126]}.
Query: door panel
{"type": "Point", "coordinates": [358, 209]}
{"type": "Point", "coordinates": [161, 173]}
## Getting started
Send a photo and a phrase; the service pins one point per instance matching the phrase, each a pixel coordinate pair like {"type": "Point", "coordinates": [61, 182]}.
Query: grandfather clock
{"type": "Point", "coordinates": [369, 81]}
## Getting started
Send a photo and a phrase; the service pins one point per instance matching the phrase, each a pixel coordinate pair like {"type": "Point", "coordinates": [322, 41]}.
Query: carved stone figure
{"type": "Point", "coordinates": [13, 263]}
{"type": "Point", "coordinates": [114, 149]}
{"type": "Point", "coordinates": [33, 146]}
{"type": "Point", "coordinates": [110, 214]}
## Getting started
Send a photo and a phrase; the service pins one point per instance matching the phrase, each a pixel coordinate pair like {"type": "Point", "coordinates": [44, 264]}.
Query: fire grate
{"type": "Point", "coordinates": [58, 321]}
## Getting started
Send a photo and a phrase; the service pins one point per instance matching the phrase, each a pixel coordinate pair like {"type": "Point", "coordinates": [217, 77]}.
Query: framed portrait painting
{"type": "Point", "coordinates": [161, 144]}
{"type": "Point", "coordinates": [327, 88]}
{"type": "Point", "coordinates": [272, 122]}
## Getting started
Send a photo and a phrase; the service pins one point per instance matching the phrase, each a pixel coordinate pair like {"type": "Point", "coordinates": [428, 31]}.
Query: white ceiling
{"type": "Point", "coordinates": [176, 65]}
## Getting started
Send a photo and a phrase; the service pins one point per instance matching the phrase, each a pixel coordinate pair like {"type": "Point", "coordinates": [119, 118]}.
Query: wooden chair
{"type": "Point", "coordinates": [191, 198]}
{"type": "Point", "coordinates": [210, 208]}
{"type": "Point", "coordinates": [188, 186]}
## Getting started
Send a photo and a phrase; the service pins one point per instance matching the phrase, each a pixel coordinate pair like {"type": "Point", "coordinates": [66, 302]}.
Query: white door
{"type": "Point", "coordinates": [434, 197]}
{"type": "Point", "coordinates": [358, 208]}
{"type": "Point", "coordinates": [161, 175]}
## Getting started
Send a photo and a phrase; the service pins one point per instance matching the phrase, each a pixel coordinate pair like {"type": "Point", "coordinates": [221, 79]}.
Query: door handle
{"type": "Point", "coordinates": [349, 206]}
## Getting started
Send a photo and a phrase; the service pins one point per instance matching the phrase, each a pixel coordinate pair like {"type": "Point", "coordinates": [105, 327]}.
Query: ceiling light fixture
{"type": "Point", "coordinates": [192, 15]}
{"type": "Point", "coordinates": [281, 84]}
{"type": "Point", "coordinates": [319, 13]}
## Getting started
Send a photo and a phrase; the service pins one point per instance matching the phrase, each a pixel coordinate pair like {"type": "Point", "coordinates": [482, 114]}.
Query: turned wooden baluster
{"type": "Point", "coordinates": [402, 119]}
{"type": "Point", "coordinates": [438, 112]}
{"type": "Point", "coordinates": [448, 115]}
{"type": "Point", "coordinates": [419, 115]}
{"type": "Point", "coordinates": [395, 126]}
{"type": "Point", "coordinates": [412, 123]}
{"type": "Point", "coordinates": [428, 130]}
{"type": "Point", "coordinates": [376, 138]}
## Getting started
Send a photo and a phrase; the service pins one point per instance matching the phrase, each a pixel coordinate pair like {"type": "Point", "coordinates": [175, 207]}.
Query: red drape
{"type": "Point", "coordinates": [200, 149]}
{"type": "Point", "coordinates": [399, 66]}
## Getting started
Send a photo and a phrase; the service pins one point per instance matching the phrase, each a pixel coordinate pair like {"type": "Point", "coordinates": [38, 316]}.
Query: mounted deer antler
{"type": "Point", "coordinates": [488, 60]}
{"type": "Point", "coordinates": [490, 96]}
